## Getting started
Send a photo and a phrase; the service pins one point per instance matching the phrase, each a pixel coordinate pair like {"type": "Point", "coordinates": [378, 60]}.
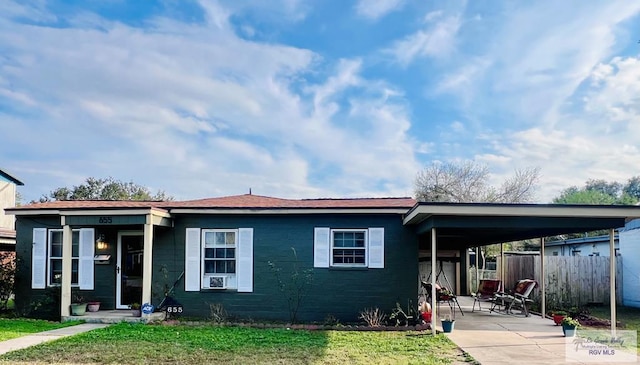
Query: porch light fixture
{"type": "Point", "coordinates": [100, 243]}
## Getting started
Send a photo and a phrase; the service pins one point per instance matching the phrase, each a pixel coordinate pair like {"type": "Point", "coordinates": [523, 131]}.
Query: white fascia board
{"type": "Point", "coordinates": [422, 212]}
{"type": "Point", "coordinates": [291, 211]}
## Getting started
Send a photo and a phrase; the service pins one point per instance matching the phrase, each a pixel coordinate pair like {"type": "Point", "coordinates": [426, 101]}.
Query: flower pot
{"type": "Point", "coordinates": [136, 312]}
{"type": "Point", "coordinates": [569, 331]}
{"type": "Point", "coordinates": [447, 326]}
{"type": "Point", "coordinates": [426, 316]}
{"type": "Point", "coordinates": [93, 306]}
{"type": "Point", "coordinates": [557, 319]}
{"type": "Point", "coordinates": [78, 309]}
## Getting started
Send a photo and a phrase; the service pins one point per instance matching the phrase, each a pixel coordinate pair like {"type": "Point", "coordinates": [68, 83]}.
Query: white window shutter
{"type": "Point", "coordinates": [192, 262]}
{"type": "Point", "coordinates": [245, 260]}
{"type": "Point", "coordinates": [376, 248]}
{"type": "Point", "coordinates": [85, 262]}
{"type": "Point", "coordinates": [321, 246]}
{"type": "Point", "coordinates": [39, 259]}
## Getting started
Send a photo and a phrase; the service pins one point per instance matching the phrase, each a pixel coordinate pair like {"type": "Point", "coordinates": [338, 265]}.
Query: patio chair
{"type": "Point", "coordinates": [442, 295]}
{"type": "Point", "coordinates": [519, 297]}
{"type": "Point", "coordinates": [487, 289]}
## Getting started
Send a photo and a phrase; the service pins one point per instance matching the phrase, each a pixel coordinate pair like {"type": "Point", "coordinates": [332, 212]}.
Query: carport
{"type": "Point", "coordinates": [459, 226]}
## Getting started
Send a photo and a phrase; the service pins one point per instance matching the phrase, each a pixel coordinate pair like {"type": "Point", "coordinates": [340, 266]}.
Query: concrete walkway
{"type": "Point", "coordinates": [37, 338]}
{"type": "Point", "coordinates": [495, 338]}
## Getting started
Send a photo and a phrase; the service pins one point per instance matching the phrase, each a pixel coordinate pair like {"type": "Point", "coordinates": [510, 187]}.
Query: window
{"type": "Point", "coordinates": [219, 259]}
{"type": "Point", "coordinates": [54, 254]}
{"type": "Point", "coordinates": [555, 253]}
{"type": "Point", "coordinates": [349, 247]}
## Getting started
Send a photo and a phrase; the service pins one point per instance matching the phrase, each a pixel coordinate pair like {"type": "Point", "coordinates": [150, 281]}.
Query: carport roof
{"type": "Point", "coordinates": [462, 225]}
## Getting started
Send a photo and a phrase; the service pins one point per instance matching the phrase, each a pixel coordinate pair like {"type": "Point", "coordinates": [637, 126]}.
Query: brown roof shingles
{"type": "Point", "coordinates": [231, 202]}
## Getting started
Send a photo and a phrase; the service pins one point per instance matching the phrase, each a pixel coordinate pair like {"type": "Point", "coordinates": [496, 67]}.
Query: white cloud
{"type": "Point", "coordinates": [197, 111]}
{"type": "Point", "coordinates": [435, 40]}
{"type": "Point", "coordinates": [376, 9]}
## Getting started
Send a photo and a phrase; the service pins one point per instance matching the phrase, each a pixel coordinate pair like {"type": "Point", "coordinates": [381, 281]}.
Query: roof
{"type": "Point", "coordinates": [246, 201]}
{"type": "Point", "coordinates": [7, 233]}
{"type": "Point", "coordinates": [265, 202]}
{"type": "Point", "coordinates": [9, 177]}
{"type": "Point", "coordinates": [461, 225]}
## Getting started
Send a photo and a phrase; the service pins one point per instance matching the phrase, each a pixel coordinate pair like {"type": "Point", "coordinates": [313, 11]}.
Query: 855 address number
{"type": "Point", "coordinates": [176, 309]}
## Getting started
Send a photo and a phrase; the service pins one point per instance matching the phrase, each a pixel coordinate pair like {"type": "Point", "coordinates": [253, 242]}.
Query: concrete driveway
{"type": "Point", "coordinates": [496, 338]}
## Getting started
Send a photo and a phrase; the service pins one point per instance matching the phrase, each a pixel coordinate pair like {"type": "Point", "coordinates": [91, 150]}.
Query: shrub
{"type": "Point", "coordinates": [217, 313]}
{"type": "Point", "coordinates": [568, 321]}
{"type": "Point", "coordinates": [374, 317]}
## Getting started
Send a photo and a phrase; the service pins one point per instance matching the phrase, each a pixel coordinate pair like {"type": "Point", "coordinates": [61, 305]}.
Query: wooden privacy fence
{"type": "Point", "coordinates": [570, 280]}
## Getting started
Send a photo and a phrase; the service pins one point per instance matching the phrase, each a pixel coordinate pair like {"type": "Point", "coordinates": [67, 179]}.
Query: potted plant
{"type": "Point", "coordinates": [135, 308]}
{"type": "Point", "coordinates": [425, 312]}
{"type": "Point", "coordinates": [447, 323]}
{"type": "Point", "coordinates": [78, 306]}
{"type": "Point", "coordinates": [569, 326]}
{"type": "Point", "coordinates": [93, 306]}
{"type": "Point", "coordinates": [558, 316]}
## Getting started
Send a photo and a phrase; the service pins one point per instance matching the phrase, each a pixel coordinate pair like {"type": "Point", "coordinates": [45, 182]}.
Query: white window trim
{"type": "Point", "coordinates": [202, 260]}
{"type": "Point", "coordinates": [49, 258]}
{"type": "Point", "coordinates": [365, 249]}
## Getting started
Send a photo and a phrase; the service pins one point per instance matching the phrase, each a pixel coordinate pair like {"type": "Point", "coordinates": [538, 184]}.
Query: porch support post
{"type": "Point", "coordinates": [477, 283]}
{"type": "Point", "coordinates": [434, 314]}
{"type": "Point", "coordinates": [501, 273]}
{"type": "Point", "coordinates": [147, 260]}
{"type": "Point", "coordinates": [65, 293]}
{"type": "Point", "coordinates": [543, 290]}
{"type": "Point", "coordinates": [612, 281]}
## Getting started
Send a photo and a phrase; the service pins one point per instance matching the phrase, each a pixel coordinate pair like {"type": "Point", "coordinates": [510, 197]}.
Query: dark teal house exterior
{"type": "Point", "coordinates": [221, 251]}
{"type": "Point", "coordinates": [241, 251]}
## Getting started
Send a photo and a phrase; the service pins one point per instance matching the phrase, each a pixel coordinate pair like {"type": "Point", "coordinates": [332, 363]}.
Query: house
{"type": "Point", "coordinates": [630, 250]}
{"type": "Point", "coordinates": [363, 252]}
{"type": "Point", "coordinates": [582, 246]}
{"type": "Point", "coordinates": [8, 191]}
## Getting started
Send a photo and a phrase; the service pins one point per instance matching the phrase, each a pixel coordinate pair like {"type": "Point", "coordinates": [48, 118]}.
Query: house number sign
{"type": "Point", "coordinates": [106, 220]}
{"type": "Point", "coordinates": [174, 309]}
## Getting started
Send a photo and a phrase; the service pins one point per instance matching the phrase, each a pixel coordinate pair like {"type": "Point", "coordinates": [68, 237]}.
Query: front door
{"type": "Point", "coordinates": [129, 268]}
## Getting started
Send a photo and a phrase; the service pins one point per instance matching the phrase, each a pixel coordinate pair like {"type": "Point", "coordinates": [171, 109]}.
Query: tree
{"type": "Point", "coordinates": [468, 182]}
{"type": "Point", "coordinates": [632, 188]}
{"type": "Point", "coordinates": [105, 189]}
{"type": "Point", "coordinates": [601, 192]}
{"type": "Point", "coordinates": [598, 192]}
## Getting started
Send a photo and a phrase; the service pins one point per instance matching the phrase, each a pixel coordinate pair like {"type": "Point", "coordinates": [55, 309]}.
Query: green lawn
{"type": "Point", "coordinates": [12, 328]}
{"type": "Point", "coordinates": [627, 317]}
{"type": "Point", "coordinates": [161, 344]}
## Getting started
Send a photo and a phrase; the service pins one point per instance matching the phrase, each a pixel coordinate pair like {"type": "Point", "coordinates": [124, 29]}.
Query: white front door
{"type": "Point", "coordinates": [129, 268]}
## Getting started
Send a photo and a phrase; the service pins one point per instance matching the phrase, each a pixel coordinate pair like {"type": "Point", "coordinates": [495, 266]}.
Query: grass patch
{"type": "Point", "coordinates": [627, 317]}
{"type": "Point", "coordinates": [12, 328]}
{"type": "Point", "coordinates": [158, 344]}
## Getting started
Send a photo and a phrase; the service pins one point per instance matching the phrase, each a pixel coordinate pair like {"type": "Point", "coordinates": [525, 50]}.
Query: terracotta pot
{"type": "Point", "coordinates": [93, 306]}
{"type": "Point", "coordinates": [557, 319]}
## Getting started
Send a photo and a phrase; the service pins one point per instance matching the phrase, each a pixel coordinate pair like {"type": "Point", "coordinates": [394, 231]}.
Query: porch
{"type": "Point", "coordinates": [497, 338]}
{"type": "Point", "coordinates": [115, 316]}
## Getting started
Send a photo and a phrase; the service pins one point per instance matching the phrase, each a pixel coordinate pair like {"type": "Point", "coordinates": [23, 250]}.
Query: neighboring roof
{"type": "Point", "coordinates": [246, 201]}
{"type": "Point", "coordinates": [580, 240]}
{"type": "Point", "coordinates": [7, 233]}
{"type": "Point", "coordinates": [7, 176]}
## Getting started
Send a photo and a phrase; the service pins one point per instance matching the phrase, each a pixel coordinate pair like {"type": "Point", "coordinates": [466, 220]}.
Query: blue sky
{"type": "Point", "coordinates": [307, 99]}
